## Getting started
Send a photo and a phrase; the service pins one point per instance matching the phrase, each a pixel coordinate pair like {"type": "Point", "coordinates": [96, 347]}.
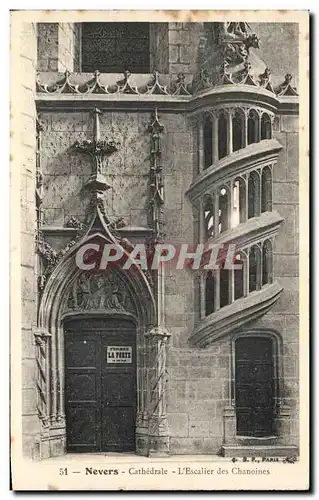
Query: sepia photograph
{"type": "Point", "coordinates": [157, 296]}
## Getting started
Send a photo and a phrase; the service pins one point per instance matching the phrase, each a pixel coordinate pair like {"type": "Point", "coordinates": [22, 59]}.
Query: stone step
{"type": "Point", "coordinates": [253, 441]}
{"type": "Point", "coordinates": [238, 450]}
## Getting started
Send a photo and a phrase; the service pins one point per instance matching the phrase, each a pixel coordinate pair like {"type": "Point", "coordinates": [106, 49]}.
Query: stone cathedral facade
{"type": "Point", "coordinates": [160, 133]}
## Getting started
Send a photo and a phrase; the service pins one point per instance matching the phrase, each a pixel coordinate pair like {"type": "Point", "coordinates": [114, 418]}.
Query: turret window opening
{"type": "Point", "coordinates": [238, 130]}
{"type": "Point", "coordinates": [253, 127]}
{"type": "Point", "coordinates": [223, 211]}
{"type": "Point", "coordinates": [209, 293]}
{"type": "Point", "coordinates": [266, 190]}
{"type": "Point", "coordinates": [239, 285]}
{"type": "Point", "coordinates": [239, 202]}
{"type": "Point", "coordinates": [267, 264]}
{"type": "Point", "coordinates": [254, 269]}
{"type": "Point", "coordinates": [224, 287]}
{"type": "Point", "coordinates": [208, 218]}
{"type": "Point", "coordinates": [265, 126]}
{"type": "Point", "coordinates": [208, 146]}
{"type": "Point", "coordinates": [222, 136]}
{"type": "Point", "coordinates": [253, 195]}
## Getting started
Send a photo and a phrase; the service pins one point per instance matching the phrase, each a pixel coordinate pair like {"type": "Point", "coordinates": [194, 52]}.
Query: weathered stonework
{"type": "Point", "coordinates": [146, 185]}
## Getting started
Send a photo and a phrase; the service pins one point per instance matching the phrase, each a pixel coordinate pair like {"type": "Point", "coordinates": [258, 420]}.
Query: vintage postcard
{"type": "Point", "coordinates": [159, 311]}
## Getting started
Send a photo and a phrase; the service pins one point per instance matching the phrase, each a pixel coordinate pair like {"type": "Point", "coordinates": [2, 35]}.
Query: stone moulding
{"type": "Point", "coordinates": [99, 313]}
{"type": "Point", "coordinates": [253, 156]}
{"type": "Point", "coordinates": [140, 91]}
{"type": "Point", "coordinates": [156, 83]}
{"type": "Point", "coordinates": [235, 316]}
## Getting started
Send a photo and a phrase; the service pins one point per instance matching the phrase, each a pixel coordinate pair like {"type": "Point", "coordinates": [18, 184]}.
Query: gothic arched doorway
{"type": "Point", "coordinates": [72, 294]}
{"type": "Point", "coordinates": [100, 384]}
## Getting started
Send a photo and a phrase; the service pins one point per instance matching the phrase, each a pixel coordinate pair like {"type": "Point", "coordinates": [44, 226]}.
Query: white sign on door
{"type": "Point", "coordinates": [119, 354]}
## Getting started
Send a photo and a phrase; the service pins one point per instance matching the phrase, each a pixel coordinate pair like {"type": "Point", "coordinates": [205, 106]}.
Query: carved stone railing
{"type": "Point", "coordinates": [252, 231]}
{"type": "Point", "coordinates": [254, 156]}
{"type": "Point", "coordinates": [235, 315]}
{"type": "Point", "coordinates": [154, 84]}
{"type": "Point", "coordinates": [145, 90]}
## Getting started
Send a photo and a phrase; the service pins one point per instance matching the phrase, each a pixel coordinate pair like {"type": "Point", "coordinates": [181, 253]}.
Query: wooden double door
{"type": "Point", "coordinates": [255, 386]}
{"type": "Point", "coordinates": [100, 386]}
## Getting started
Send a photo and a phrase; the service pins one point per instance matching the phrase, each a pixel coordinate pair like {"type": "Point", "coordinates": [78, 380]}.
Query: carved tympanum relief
{"type": "Point", "coordinates": [101, 291]}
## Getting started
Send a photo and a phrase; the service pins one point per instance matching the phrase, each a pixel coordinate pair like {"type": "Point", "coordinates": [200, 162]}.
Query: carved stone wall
{"type": "Point", "coordinates": [65, 171]}
{"type": "Point", "coordinates": [198, 380]}
{"type": "Point", "coordinates": [190, 372]}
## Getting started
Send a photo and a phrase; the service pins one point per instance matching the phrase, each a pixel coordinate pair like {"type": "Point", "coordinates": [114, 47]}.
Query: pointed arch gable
{"type": "Point", "coordinates": [66, 271]}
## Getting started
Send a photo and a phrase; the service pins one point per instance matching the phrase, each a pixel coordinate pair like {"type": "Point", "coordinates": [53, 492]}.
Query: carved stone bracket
{"type": "Point", "coordinates": [97, 150]}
